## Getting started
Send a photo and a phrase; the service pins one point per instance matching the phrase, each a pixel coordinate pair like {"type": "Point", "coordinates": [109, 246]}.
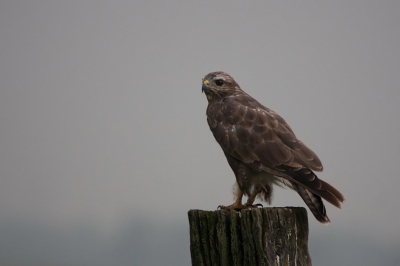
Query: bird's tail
{"type": "Point", "coordinates": [314, 203]}
{"type": "Point", "coordinates": [311, 189]}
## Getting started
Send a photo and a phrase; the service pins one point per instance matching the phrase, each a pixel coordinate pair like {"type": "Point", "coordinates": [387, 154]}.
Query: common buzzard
{"type": "Point", "coordinates": [262, 149]}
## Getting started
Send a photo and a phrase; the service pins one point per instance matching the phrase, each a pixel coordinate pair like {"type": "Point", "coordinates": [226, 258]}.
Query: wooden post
{"type": "Point", "coordinates": [266, 236]}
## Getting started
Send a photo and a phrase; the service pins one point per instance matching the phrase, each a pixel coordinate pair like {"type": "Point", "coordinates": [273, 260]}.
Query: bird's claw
{"type": "Point", "coordinates": [253, 206]}
{"type": "Point", "coordinates": [228, 208]}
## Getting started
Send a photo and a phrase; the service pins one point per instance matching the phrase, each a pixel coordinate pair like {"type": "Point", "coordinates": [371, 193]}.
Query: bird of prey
{"type": "Point", "coordinates": [262, 149]}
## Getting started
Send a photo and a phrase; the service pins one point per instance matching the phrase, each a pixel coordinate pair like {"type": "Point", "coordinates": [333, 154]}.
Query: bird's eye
{"type": "Point", "coordinates": [219, 82]}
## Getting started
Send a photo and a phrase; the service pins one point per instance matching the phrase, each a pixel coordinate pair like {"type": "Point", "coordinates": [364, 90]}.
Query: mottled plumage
{"type": "Point", "coordinates": [262, 149]}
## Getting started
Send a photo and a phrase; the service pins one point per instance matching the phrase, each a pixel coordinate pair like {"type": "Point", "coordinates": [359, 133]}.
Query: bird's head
{"type": "Point", "coordinates": [217, 85]}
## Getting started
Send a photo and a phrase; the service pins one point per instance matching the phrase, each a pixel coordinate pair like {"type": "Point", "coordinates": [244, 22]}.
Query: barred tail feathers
{"type": "Point", "coordinates": [314, 203]}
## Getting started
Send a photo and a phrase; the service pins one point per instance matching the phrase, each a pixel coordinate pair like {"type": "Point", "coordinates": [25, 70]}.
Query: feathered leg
{"type": "Point", "coordinates": [237, 205]}
{"type": "Point", "coordinates": [252, 197]}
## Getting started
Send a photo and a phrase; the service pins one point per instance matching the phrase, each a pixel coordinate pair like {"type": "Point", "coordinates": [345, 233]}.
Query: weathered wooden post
{"type": "Point", "coordinates": [265, 236]}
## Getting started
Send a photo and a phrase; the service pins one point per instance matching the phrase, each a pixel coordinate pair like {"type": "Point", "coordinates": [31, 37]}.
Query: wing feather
{"type": "Point", "coordinates": [251, 115]}
{"type": "Point", "coordinates": [280, 151]}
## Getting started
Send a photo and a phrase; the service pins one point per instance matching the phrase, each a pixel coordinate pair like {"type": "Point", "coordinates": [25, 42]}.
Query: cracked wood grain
{"type": "Point", "coordinates": [266, 236]}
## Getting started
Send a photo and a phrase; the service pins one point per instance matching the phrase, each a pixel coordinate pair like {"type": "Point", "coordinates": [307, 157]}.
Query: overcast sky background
{"type": "Point", "coordinates": [104, 144]}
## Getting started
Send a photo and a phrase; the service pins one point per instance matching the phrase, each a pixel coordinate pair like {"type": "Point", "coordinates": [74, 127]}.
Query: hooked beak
{"type": "Point", "coordinates": [205, 86]}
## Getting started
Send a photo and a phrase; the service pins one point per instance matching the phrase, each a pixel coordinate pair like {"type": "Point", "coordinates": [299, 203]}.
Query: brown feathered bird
{"type": "Point", "coordinates": [262, 149]}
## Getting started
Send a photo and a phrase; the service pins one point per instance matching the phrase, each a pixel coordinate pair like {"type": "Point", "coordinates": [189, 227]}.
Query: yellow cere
{"type": "Point", "coordinates": [206, 82]}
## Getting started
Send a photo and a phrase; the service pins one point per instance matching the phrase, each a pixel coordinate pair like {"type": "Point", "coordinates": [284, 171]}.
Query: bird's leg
{"type": "Point", "coordinates": [250, 201]}
{"type": "Point", "coordinates": [235, 206]}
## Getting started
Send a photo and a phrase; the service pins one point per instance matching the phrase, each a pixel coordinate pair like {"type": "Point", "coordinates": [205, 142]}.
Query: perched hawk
{"type": "Point", "coordinates": [262, 149]}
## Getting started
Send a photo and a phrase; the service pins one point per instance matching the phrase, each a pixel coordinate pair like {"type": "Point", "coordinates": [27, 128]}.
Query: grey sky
{"type": "Point", "coordinates": [103, 131]}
